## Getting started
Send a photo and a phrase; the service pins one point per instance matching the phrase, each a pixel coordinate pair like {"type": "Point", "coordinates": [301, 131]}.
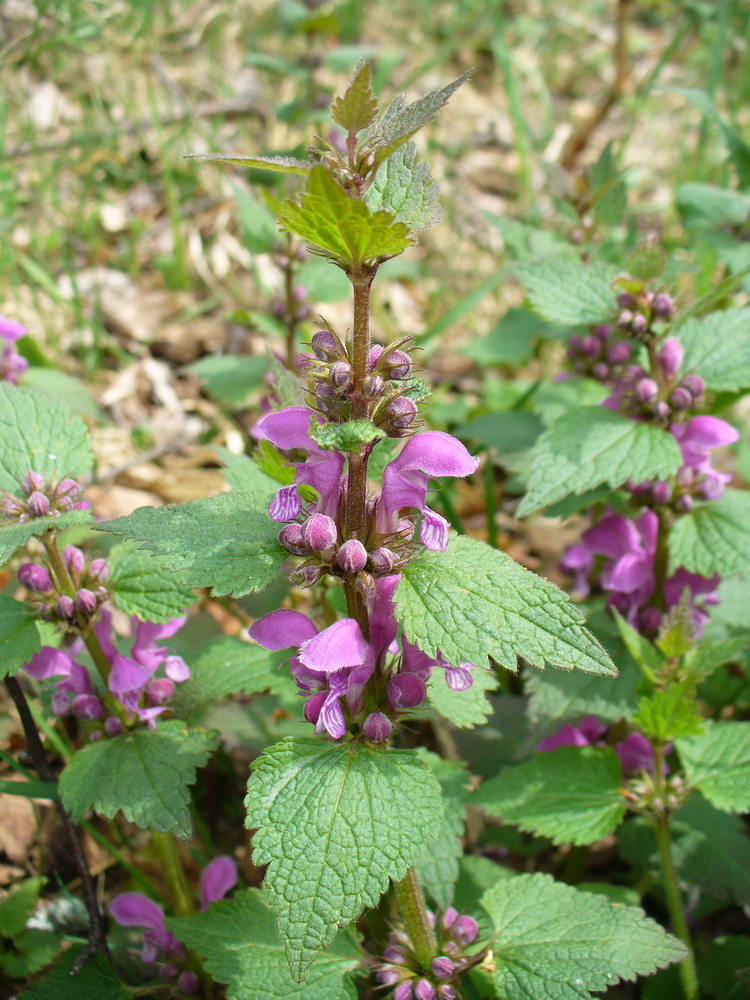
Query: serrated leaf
{"type": "Point", "coordinates": [643, 652]}
{"type": "Point", "coordinates": [343, 228]}
{"type": "Point", "coordinates": [406, 189]}
{"type": "Point", "coordinates": [717, 763]}
{"type": "Point", "coordinates": [140, 586]}
{"type": "Point", "coordinates": [241, 948]}
{"type": "Point", "coordinates": [334, 823]}
{"type": "Point", "coordinates": [358, 108]}
{"type": "Point", "coordinates": [717, 347]}
{"type": "Point", "coordinates": [143, 773]}
{"type": "Point", "coordinates": [227, 542]}
{"type": "Point", "coordinates": [230, 378]}
{"type": "Point", "coordinates": [565, 291]}
{"type": "Point", "coordinates": [571, 795]}
{"type": "Point", "coordinates": [276, 164]}
{"type": "Point", "coordinates": [669, 714]}
{"type": "Point", "coordinates": [16, 908]}
{"type": "Point", "coordinates": [344, 437]}
{"type": "Point", "coordinates": [39, 434]}
{"type": "Point", "coordinates": [556, 943]}
{"type": "Point", "coordinates": [438, 870]}
{"type": "Point", "coordinates": [591, 446]}
{"type": "Point", "coordinates": [464, 709]}
{"type": "Point", "coordinates": [14, 534]}
{"type": "Point", "coordinates": [506, 432]}
{"type": "Point", "coordinates": [227, 666]}
{"type": "Point", "coordinates": [708, 655]}
{"type": "Point", "coordinates": [472, 602]}
{"type": "Point", "coordinates": [243, 473]}
{"type": "Point", "coordinates": [34, 949]}
{"type": "Point", "coordinates": [19, 636]}
{"type": "Point", "coordinates": [705, 206]}
{"type": "Point", "coordinates": [715, 537]}
{"type": "Point", "coordinates": [401, 120]}
{"type": "Point", "coordinates": [95, 981]}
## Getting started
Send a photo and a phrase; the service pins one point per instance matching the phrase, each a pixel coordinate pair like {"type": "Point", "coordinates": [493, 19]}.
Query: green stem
{"type": "Point", "coordinates": [489, 498]}
{"type": "Point", "coordinates": [413, 911]}
{"type": "Point", "coordinates": [661, 560]}
{"type": "Point", "coordinates": [182, 903]}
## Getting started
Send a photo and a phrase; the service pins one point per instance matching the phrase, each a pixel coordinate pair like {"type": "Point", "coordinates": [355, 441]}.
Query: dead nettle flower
{"type": "Point", "coordinates": [43, 499]}
{"type": "Point", "coordinates": [12, 365]}
{"type": "Point", "coordinates": [641, 309]}
{"type": "Point", "coordinates": [88, 577]}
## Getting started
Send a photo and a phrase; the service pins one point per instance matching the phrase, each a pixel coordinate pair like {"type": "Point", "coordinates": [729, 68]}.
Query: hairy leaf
{"type": "Point", "coordinates": [95, 981]}
{"type": "Point", "coordinates": [438, 870]}
{"type": "Point", "coordinates": [571, 795]}
{"type": "Point", "coordinates": [405, 188]}
{"type": "Point", "coordinates": [594, 445]}
{"type": "Point", "coordinates": [464, 709]}
{"type": "Point", "coordinates": [226, 542]}
{"type": "Point", "coordinates": [334, 823]}
{"type": "Point", "coordinates": [344, 437]}
{"type": "Point", "coordinates": [17, 906]}
{"type": "Point", "coordinates": [14, 534]}
{"type": "Point", "coordinates": [241, 948]}
{"type": "Point", "coordinates": [276, 164]}
{"type": "Point", "coordinates": [557, 943]}
{"type": "Point", "coordinates": [565, 291]}
{"type": "Point", "coordinates": [140, 586]}
{"type": "Point", "coordinates": [357, 109]}
{"type": "Point", "coordinates": [717, 347]}
{"type": "Point", "coordinates": [668, 714]}
{"type": "Point", "coordinates": [715, 537]}
{"type": "Point", "coordinates": [19, 636]}
{"type": "Point", "coordinates": [717, 763]}
{"type": "Point", "coordinates": [243, 473]}
{"type": "Point", "coordinates": [144, 773]}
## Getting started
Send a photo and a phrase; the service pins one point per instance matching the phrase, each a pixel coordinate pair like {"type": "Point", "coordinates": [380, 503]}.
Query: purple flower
{"type": "Point", "coordinates": [697, 438]}
{"type": "Point", "coordinates": [588, 732]}
{"type": "Point", "coordinates": [637, 754]}
{"type": "Point", "coordinates": [217, 878]}
{"type": "Point", "coordinates": [133, 909]}
{"type": "Point", "coordinates": [12, 365]}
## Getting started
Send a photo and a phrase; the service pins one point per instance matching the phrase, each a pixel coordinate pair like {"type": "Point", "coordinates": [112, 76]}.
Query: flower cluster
{"type": "Point", "coordinates": [635, 752]}
{"type": "Point", "coordinates": [88, 577]}
{"type": "Point", "coordinates": [641, 309]}
{"type": "Point", "coordinates": [401, 970]}
{"type": "Point", "coordinates": [601, 354]}
{"type": "Point", "coordinates": [43, 499]}
{"type": "Point", "coordinates": [133, 909]}
{"type": "Point", "coordinates": [12, 365]}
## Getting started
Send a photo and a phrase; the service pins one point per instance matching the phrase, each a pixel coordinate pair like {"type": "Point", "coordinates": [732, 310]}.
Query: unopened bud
{"type": "Point", "coordinates": [625, 300]}
{"type": "Point", "coordinates": [590, 346]}
{"type": "Point", "coordinates": [373, 356]}
{"type": "Point", "coordinates": [392, 954]}
{"type": "Point", "coordinates": [639, 324]}
{"type": "Point", "coordinates": [365, 584]}
{"type": "Point", "coordinates": [373, 386]}
{"type": "Point", "coordinates": [424, 990]}
{"type": "Point", "coordinates": [60, 703]}
{"type": "Point", "coordinates": [647, 390]}
{"type": "Point", "coordinates": [32, 482]}
{"type": "Point", "coordinates": [685, 476]}
{"type": "Point", "coordinates": [663, 306]}
{"type": "Point", "coordinates": [661, 410]}
{"type": "Point", "coordinates": [650, 620]}
{"type": "Point", "coordinates": [400, 364]}
{"type": "Point", "coordinates": [405, 529]}
{"type": "Point", "coordinates": [449, 918]}
{"type": "Point", "coordinates": [404, 991]}
{"type": "Point", "coordinates": [340, 374]}
{"type": "Point", "coordinates": [618, 353]}
{"type": "Point", "coordinates": [86, 601]}
{"type": "Point", "coordinates": [99, 569]}
{"type": "Point", "coordinates": [64, 607]}
{"type": "Point", "coordinates": [67, 487]}
{"type": "Point", "coordinates": [74, 559]}
{"type": "Point", "coordinates": [112, 726]}
{"type": "Point", "coordinates": [442, 967]}
{"type": "Point", "coordinates": [319, 532]}
{"type": "Point", "coordinates": [35, 577]}
{"type": "Point", "coordinates": [387, 976]}
{"type": "Point", "coordinates": [670, 357]}
{"type": "Point", "coordinates": [38, 504]}
{"type": "Point", "coordinates": [313, 705]}
{"type": "Point", "coordinates": [446, 992]}
{"type": "Point", "coordinates": [383, 560]}
{"type": "Point", "coordinates": [680, 398]}
{"type": "Point", "coordinates": [684, 504]}
{"type": "Point", "coordinates": [465, 930]}
{"type": "Point", "coordinates": [661, 492]}
{"type": "Point", "coordinates": [600, 371]}
{"type": "Point", "coordinates": [323, 343]}
{"type": "Point", "coordinates": [406, 691]}
{"type": "Point", "coordinates": [402, 410]}
{"type": "Point", "coordinates": [87, 706]}
{"type": "Point", "coordinates": [159, 692]}
{"type": "Point", "coordinates": [290, 537]}
{"type": "Point", "coordinates": [694, 385]}
{"type": "Point", "coordinates": [324, 391]}
{"type": "Point", "coordinates": [352, 556]}
{"type": "Point", "coordinates": [377, 727]}
{"type": "Point", "coordinates": [625, 319]}
{"type": "Point", "coordinates": [187, 981]}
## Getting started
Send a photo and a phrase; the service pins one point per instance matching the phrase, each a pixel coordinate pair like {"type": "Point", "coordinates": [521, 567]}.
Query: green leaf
{"type": "Point", "coordinates": [717, 347]}
{"type": "Point", "coordinates": [739, 151]}
{"type": "Point", "coordinates": [401, 120]}
{"type": "Point", "coordinates": [227, 666]}
{"type": "Point", "coordinates": [34, 949]}
{"type": "Point", "coordinates": [565, 291]}
{"type": "Point", "coordinates": [341, 227]}
{"type": "Point", "coordinates": [669, 714]}
{"type": "Point", "coordinates": [231, 378]}
{"type": "Point", "coordinates": [226, 542]}
{"type": "Point", "coordinates": [717, 763]}
{"type": "Point", "coordinates": [241, 948]}
{"type": "Point", "coordinates": [95, 981]}
{"type": "Point", "coordinates": [464, 709]}
{"type": "Point", "coordinates": [708, 655]}
{"type": "Point", "coordinates": [720, 965]}
{"type": "Point", "coordinates": [243, 473]}
{"type": "Point", "coordinates": [19, 636]}
{"type": "Point", "coordinates": [705, 206]}
{"type": "Point", "coordinates": [438, 870]}
{"type": "Point", "coordinates": [144, 773]}
{"type": "Point", "coordinates": [140, 586]}
{"type": "Point", "coordinates": [607, 191]}
{"type": "Point", "coordinates": [66, 389]}
{"type": "Point", "coordinates": [472, 602]}
{"type": "Point", "coordinates": [14, 534]}
{"type": "Point", "coordinates": [258, 227]}
{"type": "Point", "coordinates": [556, 943]}
{"type": "Point", "coordinates": [39, 434]}
{"type": "Point", "coordinates": [506, 432]}
{"type": "Point", "coordinates": [344, 437]}
{"type": "Point", "coordinates": [334, 823]}
{"type": "Point", "coordinates": [405, 188]}
{"type": "Point", "coordinates": [645, 654]}
{"type": "Point", "coordinates": [715, 537]}
{"type": "Point", "coordinates": [510, 341]}
{"type": "Point", "coordinates": [276, 164]}
{"type": "Point", "coordinates": [30, 789]}
{"type": "Point", "coordinates": [18, 905]}
{"type": "Point", "coordinates": [357, 109]}
{"type": "Point", "coordinates": [571, 795]}
{"type": "Point", "coordinates": [594, 445]}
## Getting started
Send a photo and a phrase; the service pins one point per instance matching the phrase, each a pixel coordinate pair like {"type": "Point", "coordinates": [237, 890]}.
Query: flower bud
{"type": "Point", "coordinates": [159, 692]}
{"type": "Point", "coordinates": [625, 300]}
{"type": "Point", "coordinates": [663, 306]}
{"type": "Point", "coordinates": [319, 532]}
{"type": "Point", "coordinates": [449, 918]}
{"type": "Point", "coordinates": [290, 537]}
{"type": "Point", "coordinates": [310, 575]}
{"type": "Point", "coordinates": [64, 607]}
{"type": "Point", "coordinates": [32, 482]}
{"type": "Point", "coordinates": [685, 476]}
{"type": "Point", "coordinates": [67, 487]}
{"type": "Point", "coordinates": [694, 385]}
{"type": "Point", "coordinates": [446, 992]}
{"type": "Point", "coordinates": [402, 410]}
{"type": "Point", "coordinates": [661, 410]}
{"type": "Point", "coordinates": [442, 967]}
{"type": "Point", "coordinates": [60, 703]}
{"type": "Point", "coordinates": [373, 386]}
{"type": "Point", "coordinates": [187, 981]}
{"type": "Point", "coordinates": [87, 706]}
{"type": "Point", "coordinates": [112, 726]}
{"type": "Point", "coordinates": [465, 930]}
{"type": "Point", "coordinates": [424, 990]}
{"type": "Point", "coordinates": [404, 991]}
{"type": "Point", "coordinates": [95, 736]}
{"type": "Point", "coordinates": [405, 529]}
{"type": "Point", "coordinates": [590, 346]}
{"type": "Point", "coordinates": [400, 364]}
{"type": "Point", "coordinates": [650, 620]}
{"type": "Point", "coordinates": [392, 954]}
{"type": "Point", "coordinates": [313, 705]}
{"type": "Point", "coordinates": [406, 690]}
{"type": "Point", "coordinates": [373, 356]}
{"type": "Point", "coordinates": [639, 324]}
{"type": "Point", "coordinates": [352, 556]}
{"type": "Point", "coordinates": [38, 504]}
{"type": "Point", "coordinates": [670, 357]}
{"type": "Point", "coordinates": [619, 353]}
{"type": "Point", "coordinates": [99, 569]}
{"type": "Point", "coordinates": [323, 391]}
{"type": "Point", "coordinates": [387, 976]}
{"type": "Point", "coordinates": [35, 577]}
{"type": "Point", "coordinates": [86, 601]}
{"type": "Point", "coordinates": [661, 492]}
{"type": "Point", "coordinates": [684, 504]}
{"type": "Point", "coordinates": [323, 343]}
{"type": "Point", "coordinates": [383, 560]}
{"type": "Point", "coordinates": [680, 398]}
{"type": "Point", "coordinates": [340, 374]}
{"type": "Point", "coordinates": [625, 319]}
{"type": "Point", "coordinates": [377, 727]}
{"type": "Point", "coordinates": [647, 390]}
{"type": "Point", "coordinates": [600, 371]}
{"type": "Point", "coordinates": [74, 559]}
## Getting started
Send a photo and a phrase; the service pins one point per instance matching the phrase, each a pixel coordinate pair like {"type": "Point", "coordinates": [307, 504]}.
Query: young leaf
{"type": "Point", "coordinates": [472, 602]}
{"type": "Point", "coordinates": [438, 870]}
{"type": "Point", "coordinates": [715, 537]}
{"type": "Point", "coordinates": [341, 227]}
{"type": "Point", "coordinates": [241, 948]}
{"type": "Point", "coordinates": [276, 164]}
{"type": "Point", "coordinates": [406, 189]}
{"type": "Point", "coordinates": [591, 446]}
{"type": "Point", "coordinates": [556, 943]}
{"type": "Point", "coordinates": [144, 773]}
{"type": "Point", "coordinates": [19, 636]}
{"type": "Point", "coordinates": [717, 763]}
{"type": "Point", "coordinates": [357, 109]}
{"type": "Point", "coordinates": [571, 795]}
{"type": "Point", "coordinates": [95, 980]}
{"type": "Point", "coordinates": [567, 292]}
{"type": "Point", "coordinates": [243, 473]}
{"type": "Point", "coordinates": [708, 655]}
{"type": "Point", "coordinates": [401, 120]}
{"type": "Point", "coordinates": [344, 437]}
{"type": "Point", "coordinates": [464, 709]}
{"type": "Point", "coordinates": [39, 434]}
{"type": "Point", "coordinates": [226, 542]}
{"type": "Point", "coordinates": [140, 586]}
{"type": "Point", "coordinates": [717, 348]}
{"type": "Point", "coordinates": [669, 714]}
{"type": "Point", "coordinates": [645, 654]}
{"type": "Point", "coordinates": [334, 823]}
{"type": "Point", "coordinates": [14, 534]}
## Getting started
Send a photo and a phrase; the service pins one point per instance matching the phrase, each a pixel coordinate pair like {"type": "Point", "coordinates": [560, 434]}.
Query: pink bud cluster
{"type": "Point", "coordinates": [401, 970]}
{"type": "Point", "coordinates": [12, 365]}
{"type": "Point", "coordinates": [601, 354]}
{"type": "Point", "coordinates": [88, 577]}
{"type": "Point", "coordinates": [641, 309]}
{"type": "Point", "coordinates": [43, 499]}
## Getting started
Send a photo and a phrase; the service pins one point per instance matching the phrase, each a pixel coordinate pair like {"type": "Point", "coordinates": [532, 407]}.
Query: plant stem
{"type": "Point", "coordinates": [174, 874]}
{"type": "Point", "coordinates": [413, 911]}
{"type": "Point", "coordinates": [489, 498]}
{"type": "Point", "coordinates": [661, 560]}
